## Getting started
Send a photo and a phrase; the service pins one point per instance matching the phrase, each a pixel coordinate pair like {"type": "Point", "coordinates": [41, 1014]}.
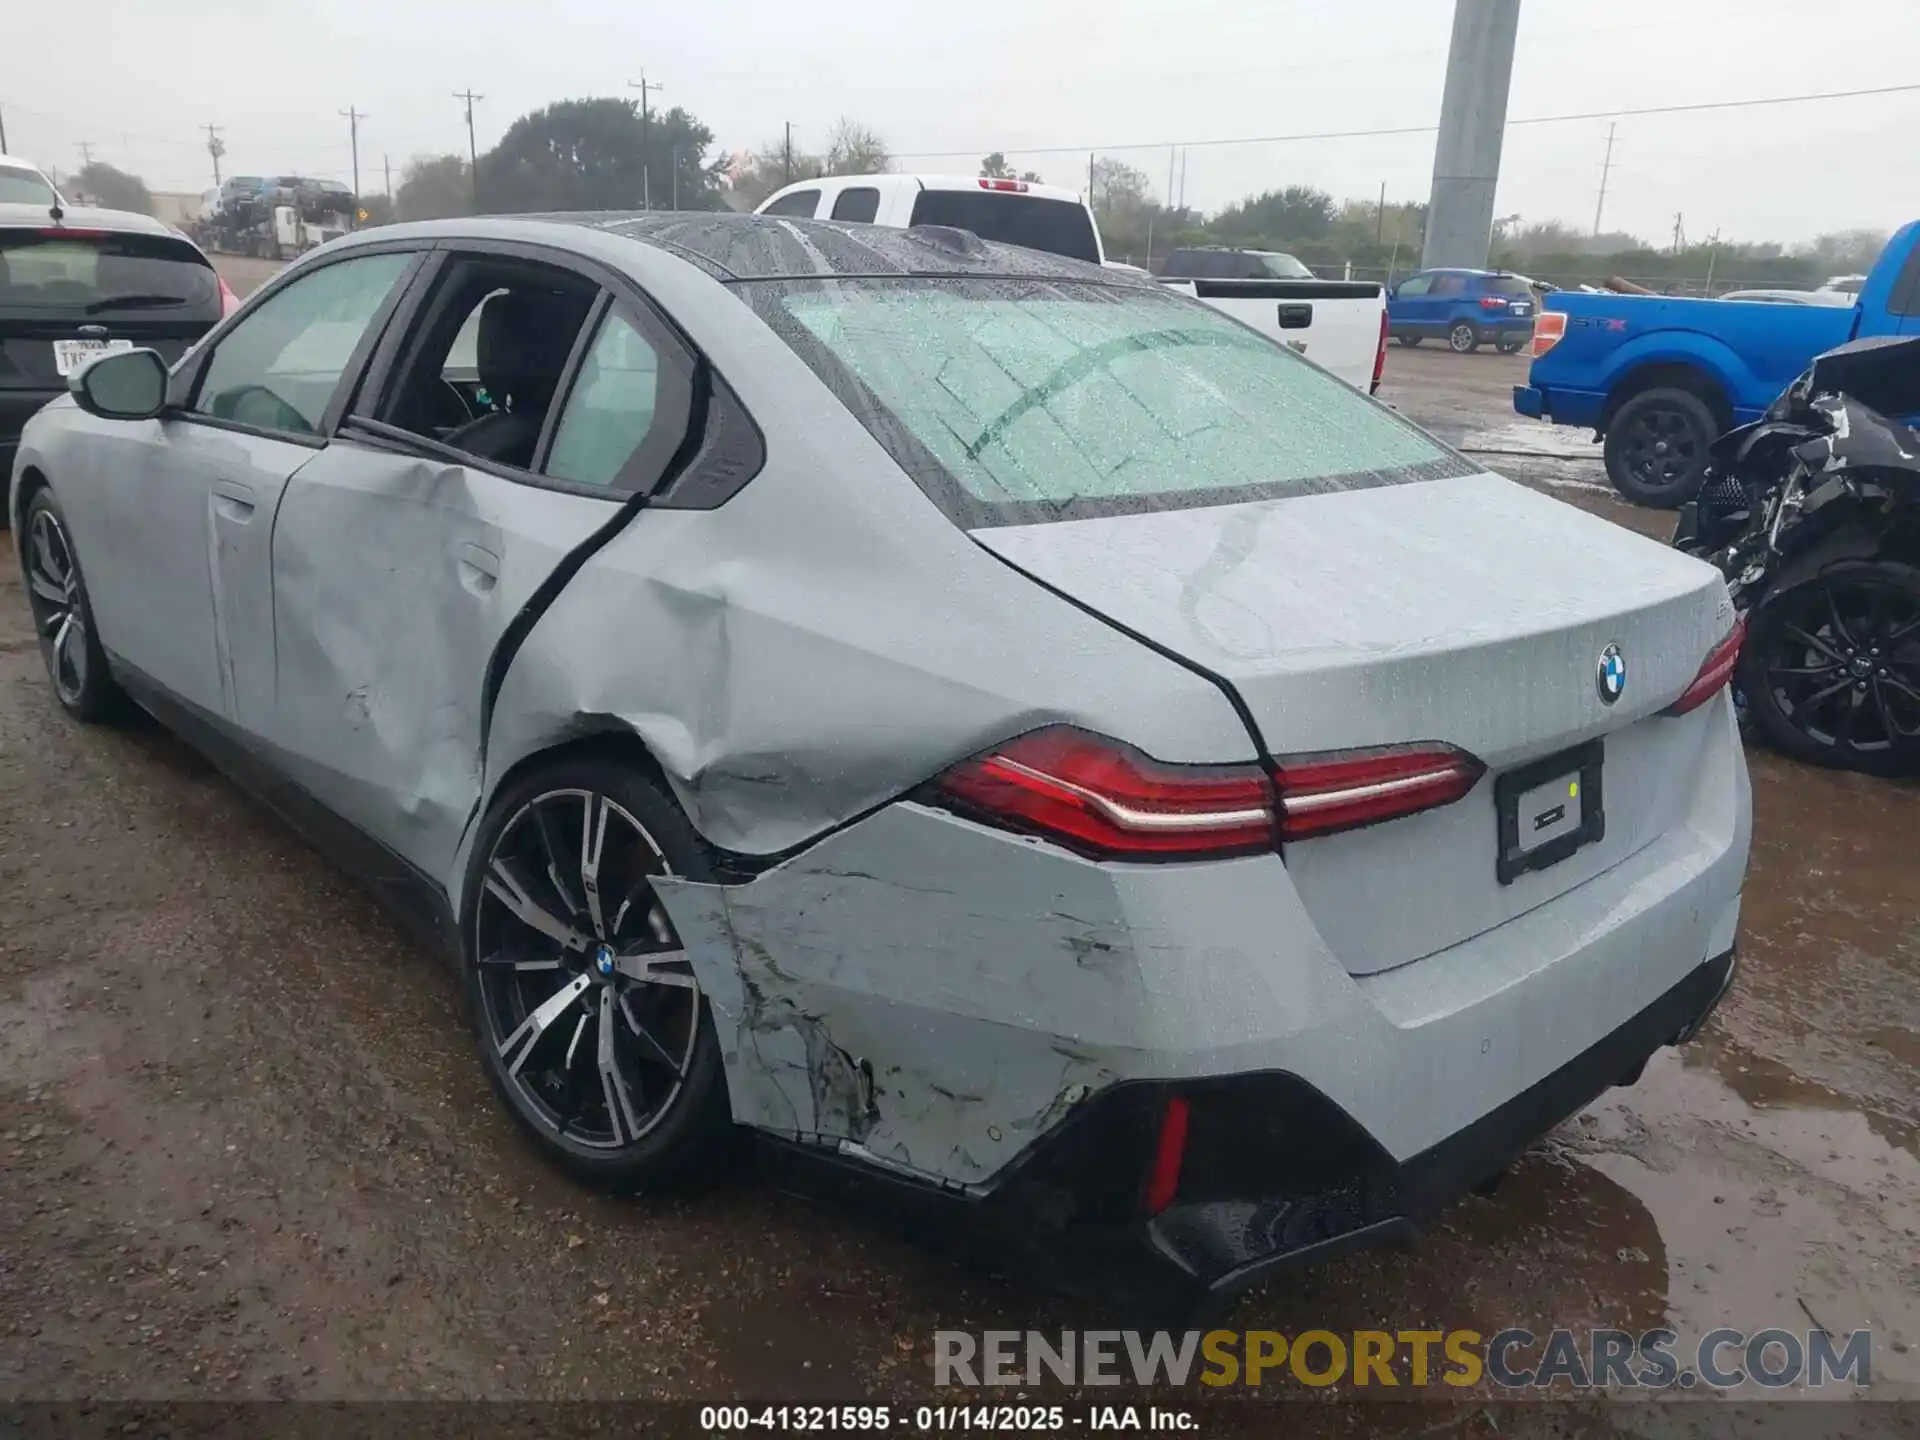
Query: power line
{"type": "Point", "coordinates": [1425, 129]}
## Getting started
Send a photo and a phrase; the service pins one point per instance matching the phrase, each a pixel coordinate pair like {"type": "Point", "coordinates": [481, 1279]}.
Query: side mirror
{"type": "Point", "coordinates": [131, 385]}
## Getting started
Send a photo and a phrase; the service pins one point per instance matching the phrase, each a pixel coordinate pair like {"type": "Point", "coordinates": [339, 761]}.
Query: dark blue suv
{"type": "Point", "coordinates": [1466, 308]}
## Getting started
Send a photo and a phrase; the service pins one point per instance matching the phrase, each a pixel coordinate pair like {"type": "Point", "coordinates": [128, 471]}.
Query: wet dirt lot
{"type": "Point", "coordinates": [245, 1149]}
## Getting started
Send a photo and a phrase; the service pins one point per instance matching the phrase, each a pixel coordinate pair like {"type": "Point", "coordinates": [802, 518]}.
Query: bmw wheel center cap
{"type": "Point", "coordinates": [603, 960]}
{"type": "Point", "coordinates": [1610, 677]}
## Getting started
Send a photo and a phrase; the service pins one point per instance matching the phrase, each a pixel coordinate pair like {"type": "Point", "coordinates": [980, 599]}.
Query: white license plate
{"type": "Point", "coordinates": [70, 355]}
{"type": "Point", "coordinates": [1523, 309]}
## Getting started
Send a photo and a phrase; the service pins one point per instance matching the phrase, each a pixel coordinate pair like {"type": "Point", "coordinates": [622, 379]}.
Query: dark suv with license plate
{"type": "Point", "coordinates": [75, 284]}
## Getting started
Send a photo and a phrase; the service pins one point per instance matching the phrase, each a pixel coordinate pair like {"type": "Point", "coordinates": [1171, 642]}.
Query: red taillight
{"type": "Point", "coordinates": [1344, 790]}
{"type": "Point", "coordinates": [1379, 356]}
{"type": "Point", "coordinates": [229, 302]}
{"type": "Point", "coordinates": [1163, 1181]}
{"type": "Point", "coordinates": [1110, 801]}
{"type": "Point", "coordinates": [1547, 331]}
{"type": "Point", "coordinates": [1492, 302]}
{"type": "Point", "coordinates": [1714, 674]}
{"type": "Point", "coordinates": [67, 232]}
{"type": "Point", "coordinates": [1019, 187]}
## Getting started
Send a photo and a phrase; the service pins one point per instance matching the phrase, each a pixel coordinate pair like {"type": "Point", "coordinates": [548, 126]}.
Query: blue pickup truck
{"type": "Point", "coordinates": [1659, 379]}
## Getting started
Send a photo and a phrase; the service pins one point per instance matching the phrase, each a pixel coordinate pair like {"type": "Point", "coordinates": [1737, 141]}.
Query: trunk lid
{"type": "Point", "coordinates": [1469, 611]}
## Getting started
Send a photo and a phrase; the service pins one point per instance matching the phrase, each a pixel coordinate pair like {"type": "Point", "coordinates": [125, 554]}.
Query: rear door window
{"type": "Point", "coordinates": [24, 187]}
{"type": "Point", "coordinates": [1449, 285]}
{"type": "Point", "coordinates": [1059, 227]}
{"type": "Point", "coordinates": [801, 204]}
{"type": "Point", "coordinates": [1414, 286]}
{"type": "Point", "coordinates": [859, 203]}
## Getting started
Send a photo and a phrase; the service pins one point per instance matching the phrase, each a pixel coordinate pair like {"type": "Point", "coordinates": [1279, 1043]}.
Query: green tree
{"type": "Point", "coordinates": [113, 189]}
{"type": "Point", "coordinates": [1298, 212]}
{"type": "Point", "coordinates": [433, 187]}
{"type": "Point", "coordinates": [587, 155]}
{"type": "Point", "coordinates": [995, 167]}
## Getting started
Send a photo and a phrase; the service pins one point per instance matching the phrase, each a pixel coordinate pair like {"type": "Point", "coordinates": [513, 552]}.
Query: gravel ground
{"type": "Point", "coordinates": [246, 1151]}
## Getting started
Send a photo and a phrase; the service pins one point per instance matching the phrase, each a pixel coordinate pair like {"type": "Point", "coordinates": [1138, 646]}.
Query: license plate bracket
{"type": "Point", "coordinates": [1537, 806]}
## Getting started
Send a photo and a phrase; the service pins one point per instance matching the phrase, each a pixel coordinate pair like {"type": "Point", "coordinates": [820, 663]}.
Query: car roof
{"type": "Point", "coordinates": [928, 182]}
{"type": "Point", "coordinates": [83, 217]}
{"type": "Point", "coordinates": [770, 247]}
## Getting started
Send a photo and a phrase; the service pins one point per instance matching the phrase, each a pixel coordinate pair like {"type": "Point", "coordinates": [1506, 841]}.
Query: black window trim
{"type": "Point", "coordinates": [616, 291]}
{"type": "Point", "coordinates": [183, 387]}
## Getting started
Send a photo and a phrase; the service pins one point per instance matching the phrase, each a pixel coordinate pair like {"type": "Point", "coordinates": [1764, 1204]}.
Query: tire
{"type": "Point", "coordinates": [659, 1119]}
{"type": "Point", "coordinates": [1463, 338]}
{"type": "Point", "coordinates": [62, 615]}
{"type": "Point", "coordinates": [1410, 341]}
{"type": "Point", "coordinates": [1657, 446]}
{"type": "Point", "coordinates": [1830, 669]}
{"type": "Point", "coordinates": [1510, 344]}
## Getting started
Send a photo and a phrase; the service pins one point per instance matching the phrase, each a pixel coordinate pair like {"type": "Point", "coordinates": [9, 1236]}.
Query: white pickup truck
{"type": "Point", "coordinates": [1339, 325]}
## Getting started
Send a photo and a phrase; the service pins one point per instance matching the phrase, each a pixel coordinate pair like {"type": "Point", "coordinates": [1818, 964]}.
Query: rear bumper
{"type": "Point", "coordinates": [1274, 1176]}
{"type": "Point", "coordinates": [1582, 408]}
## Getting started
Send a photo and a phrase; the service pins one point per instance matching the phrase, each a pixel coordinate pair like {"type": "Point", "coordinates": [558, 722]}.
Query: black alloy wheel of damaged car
{"type": "Point", "coordinates": [62, 618]}
{"type": "Point", "coordinates": [1830, 669]}
{"type": "Point", "coordinates": [1658, 447]}
{"type": "Point", "coordinates": [590, 1021]}
{"type": "Point", "coordinates": [1464, 338]}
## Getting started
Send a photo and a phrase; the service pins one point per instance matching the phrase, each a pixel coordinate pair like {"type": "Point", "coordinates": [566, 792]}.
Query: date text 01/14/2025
{"type": "Point", "coordinates": [724, 1419]}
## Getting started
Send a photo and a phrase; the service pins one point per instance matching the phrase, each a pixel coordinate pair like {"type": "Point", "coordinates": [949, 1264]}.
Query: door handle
{"type": "Point", "coordinates": [233, 501]}
{"type": "Point", "coordinates": [479, 569]}
{"type": "Point", "coordinates": [1296, 317]}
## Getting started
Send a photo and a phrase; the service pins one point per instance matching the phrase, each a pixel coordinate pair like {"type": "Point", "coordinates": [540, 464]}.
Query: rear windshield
{"type": "Point", "coordinates": [1013, 401]}
{"type": "Point", "coordinates": [1060, 227]}
{"type": "Point", "coordinates": [1506, 285]}
{"type": "Point", "coordinates": [102, 275]}
{"type": "Point", "coordinates": [23, 187]}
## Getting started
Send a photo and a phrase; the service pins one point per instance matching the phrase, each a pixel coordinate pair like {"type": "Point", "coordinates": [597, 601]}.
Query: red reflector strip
{"type": "Point", "coordinates": [1018, 187]}
{"type": "Point", "coordinates": [1714, 673]}
{"type": "Point", "coordinates": [1323, 795]}
{"type": "Point", "coordinates": [1163, 1181]}
{"type": "Point", "coordinates": [62, 232]}
{"type": "Point", "coordinates": [1379, 356]}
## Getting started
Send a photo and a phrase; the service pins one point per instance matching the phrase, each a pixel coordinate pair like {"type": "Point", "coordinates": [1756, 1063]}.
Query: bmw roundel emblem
{"type": "Point", "coordinates": [1610, 676]}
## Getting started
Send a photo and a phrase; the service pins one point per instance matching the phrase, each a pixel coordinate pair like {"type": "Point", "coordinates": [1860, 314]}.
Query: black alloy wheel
{"type": "Point", "coordinates": [588, 1014]}
{"type": "Point", "coordinates": [62, 619]}
{"type": "Point", "coordinates": [1831, 668]}
{"type": "Point", "coordinates": [1658, 445]}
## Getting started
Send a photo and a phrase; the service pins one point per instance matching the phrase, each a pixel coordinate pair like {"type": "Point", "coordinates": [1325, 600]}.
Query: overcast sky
{"type": "Point", "coordinates": [136, 79]}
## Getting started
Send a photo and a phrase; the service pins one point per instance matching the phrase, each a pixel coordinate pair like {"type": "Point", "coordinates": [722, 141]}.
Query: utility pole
{"type": "Point", "coordinates": [1380, 217]}
{"type": "Point", "coordinates": [216, 147]}
{"type": "Point", "coordinates": [674, 159]}
{"type": "Point", "coordinates": [353, 118]}
{"type": "Point", "coordinates": [1606, 170]}
{"type": "Point", "coordinates": [386, 167]}
{"type": "Point", "coordinates": [1170, 160]}
{"type": "Point", "coordinates": [3, 132]}
{"type": "Point", "coordinates": [1090, 200]}
{"type": "Point", "coordinates": [1473, 127]}
{"type": "Point", "coordinates": [86, 153]}
{"type": "Point", "coordinates": [646, 139]}
{"type": "Point", "coordinates": [1679, 233]}
{"type": "Point", "coordinates": [1183, 181]}
{"type": "Point", "coordinates": [788, 176]}
{"type": "Point", "coordinates": [473, 151]}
